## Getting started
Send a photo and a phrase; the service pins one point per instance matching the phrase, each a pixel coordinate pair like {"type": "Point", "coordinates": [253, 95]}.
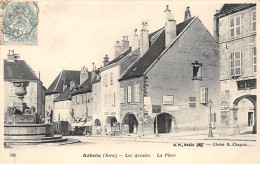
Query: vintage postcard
{"type": "Point", "coordinates": [129, 81]}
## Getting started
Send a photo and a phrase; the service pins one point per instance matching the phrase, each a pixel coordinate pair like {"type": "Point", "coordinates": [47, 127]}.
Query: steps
{"type": "Point", "coordinates": [33, 139]}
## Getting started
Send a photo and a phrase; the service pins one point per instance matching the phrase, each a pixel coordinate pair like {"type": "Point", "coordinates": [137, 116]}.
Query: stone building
{"type": "Point", "coordinates": [16, 69]}
{"type": "Point", "coordinates": [82, 101]}
{"type": "Point", "coordinates": [235, 31]}
{"type": "Point", "coordinates": [60, 83]}
{"type": "Point", "coordinates": [97, 111]}
{"type": "Point", "coordinates": [110, 91]}
{"type": "Point", "coordinates": [168, 88]}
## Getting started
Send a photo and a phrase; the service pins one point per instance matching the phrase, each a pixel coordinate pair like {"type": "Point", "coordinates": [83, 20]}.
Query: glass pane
{"type": "Point", "coordinates": [232, 71]}
{"type": "Point", "coordinates": [238, 30]}
{"type": "Point", "coordinates": [254, 68]}
{"type": "Point", "coordinates": [254, 26]}
{"type": "Point", "coordinates": [232, 22]}
{"type": "Point", "coordinates": [254, 60]}
{"type": "Point", "coordinates": [238, 20]}
{"type": "Point", "coordinates": [254, 15]}
{"type": "Point", "coordinates": [237, 71]}
{"type": "Point", "coordinates": [232, 32]}
{"type": "Point", "coordinates": [237, 63]}
{"type": "Point", "coordinates": [254, 51]}
{"type": "Point", "coordinates": [237, 55]}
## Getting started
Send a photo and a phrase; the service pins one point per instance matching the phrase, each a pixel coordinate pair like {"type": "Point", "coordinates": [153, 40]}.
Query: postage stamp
{"type": "Point", "coordinates": [19, 23]}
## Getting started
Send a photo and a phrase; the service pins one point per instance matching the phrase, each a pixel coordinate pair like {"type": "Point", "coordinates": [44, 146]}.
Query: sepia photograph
{"type": "Point", "coordinates": [128, 82]}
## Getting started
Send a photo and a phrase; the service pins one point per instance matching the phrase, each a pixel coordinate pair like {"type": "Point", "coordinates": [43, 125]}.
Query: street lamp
{"type": "Point", "coordinates": [210, 125]}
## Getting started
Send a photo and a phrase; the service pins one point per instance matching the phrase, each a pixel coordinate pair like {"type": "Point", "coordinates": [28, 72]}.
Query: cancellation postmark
{"type": "Point", "coordinates": [19, 20]}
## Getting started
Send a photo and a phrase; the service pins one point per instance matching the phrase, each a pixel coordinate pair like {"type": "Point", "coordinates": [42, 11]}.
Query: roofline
{"type": "Point", "coordinates": [228, 13]}
{"type": "Point", "coordinates": [115, 63]}
{"type": "Point", "coordinates": [32, 71]}
{"type": "Point", "coordinates": [58, 81]}
{"type": "Point", "coordinates": [120, 79]}
{"type": "Point", "coordinates": [164, 51]}
{"type": "Point", "coordinates": [74, 94]}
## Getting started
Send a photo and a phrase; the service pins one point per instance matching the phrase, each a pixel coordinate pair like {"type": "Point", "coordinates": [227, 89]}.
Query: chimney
{"type": "Point", "coordinates": [170, 27]}
{"type": "Point", "coordinates": [216, 26]}
{"type": "Point", "coordinates": [135, 42]}
{"type": "Point", "coordinates": [72, 85]}
{"type": "Point", "coordinates": [125, 43]}
{"type": "Point", "coordinates": [12, 56]}
{"type": "Point", "coordinates": [117, 49]}
{"type": "Point", "coordinates": [144, 38]}
{"type": "Point", "coordinates": [106, 60]}
{"type": "Point", "coordinates": [187, 14]}
{"type": "Point", "coordinates": [83, 74]}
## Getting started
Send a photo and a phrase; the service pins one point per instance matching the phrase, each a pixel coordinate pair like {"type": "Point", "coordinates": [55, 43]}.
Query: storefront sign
{"type": "Point", "coordinates": [147, 101]}
{"type": "Point", "coordinates": [129, 107]}
{"type": "Point", "coordinates": [110, 113]}
{"type": "Point", "coordinates": [156, 108]}
{"type": "Point", "coordinates": [168, 100]}
{"type": "Point", "coordinates": [246, 84]}
{"type": "Point", "coordinates": [171, 108]}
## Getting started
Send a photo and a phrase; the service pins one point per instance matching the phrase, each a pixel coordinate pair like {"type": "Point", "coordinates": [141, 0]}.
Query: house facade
{"type": "Point", "coordinates": [168, 89]}
{"type": "Point", "coordinates": [235, 31]}
{"type": "Point", "coordinates": [16, 69]}
{"type": "Point", "coordinates": [60, 83]}
{"type": "Point", "coordinates": [110, 87]}
{"type": "Point", "coordinates": [82, 102]}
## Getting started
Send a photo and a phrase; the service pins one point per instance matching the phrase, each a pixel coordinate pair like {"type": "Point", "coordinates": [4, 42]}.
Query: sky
{"type": "Point", "coordinates": [73, 34]}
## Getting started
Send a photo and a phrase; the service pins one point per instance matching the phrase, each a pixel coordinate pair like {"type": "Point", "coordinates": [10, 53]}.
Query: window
{"type": "Point", "coordinates": [129, 92]}
{"type": "Point", "coordinates": [254, 21]}
{"type": "Point", "coordinates": [136, 92]}
{"type": "Point", "coordinates": [254, 60]}
{"type": "Point", "coordinates": [111, 78]}
{"type": "Point", "coordinates": [192, 101]}
{"type": "Point", "coordinates": [235, 24]}
{"type": "Point", "coordinates": [196, 71]}
{"type": "Point", "coordinates": [105, 80]}
{"type": "Point", "coordinates": [204, 95]}
{"type": "Point", "coordinates": [122, 95]}
{"type": "Point", "coordinates": [235, 64]}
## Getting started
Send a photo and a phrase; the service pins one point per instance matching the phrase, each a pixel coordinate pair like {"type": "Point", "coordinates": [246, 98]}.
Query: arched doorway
{"type": "Point", "coordinates": [97, 122]}
{"type": "Point", "coordinates": [129, 124]}
{"type": "Point", "coordinates": [111, 125]}
{"type": "Point", "coordinates": [97, 127]}
{"type": "Point", "coordinates": [244, 114]}
{"type": "Point", "coordinates": [164, 123]}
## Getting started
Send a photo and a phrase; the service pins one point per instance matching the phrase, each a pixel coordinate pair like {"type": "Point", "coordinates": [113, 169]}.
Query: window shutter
{"type": "Point", "coordinates": [232, 64]}
{"type": "Point", "coordinates": [204, 95]}
{"type": "Point", "coordinates": [241, 71]}
{"type": "Point", "coordinates": [129, 93]}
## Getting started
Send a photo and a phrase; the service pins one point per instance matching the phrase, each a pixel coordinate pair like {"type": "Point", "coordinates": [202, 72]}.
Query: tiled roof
{"type": "Point", "coordinates": [120, 56]}
{"type": "Point", "coordinates": [129, 50]}
{"type": "Point", "coordinates": [228, 9]}
{"type": "Point", "coordinates": [65, 95]}
{"type": "Point", "coordinates": [84, 88]}
{"type": "Point", "coordinates": [142, 64]}
{"type": "Point", "coordinates": [65, 77]}
{"type": "Point", "coordinates": [18, 70]}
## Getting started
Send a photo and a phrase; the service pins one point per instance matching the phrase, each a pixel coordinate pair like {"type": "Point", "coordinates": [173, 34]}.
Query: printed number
{"type": "Point", "coordinates": [12, 155]}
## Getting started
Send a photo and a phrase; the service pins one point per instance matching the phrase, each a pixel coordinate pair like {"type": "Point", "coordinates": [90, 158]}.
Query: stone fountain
{"type": "Point", "coordinates": [22, 125]}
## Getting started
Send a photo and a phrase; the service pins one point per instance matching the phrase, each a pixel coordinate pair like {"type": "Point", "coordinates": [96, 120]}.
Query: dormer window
{"type": "Point", "coordinates": [196, 68]}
